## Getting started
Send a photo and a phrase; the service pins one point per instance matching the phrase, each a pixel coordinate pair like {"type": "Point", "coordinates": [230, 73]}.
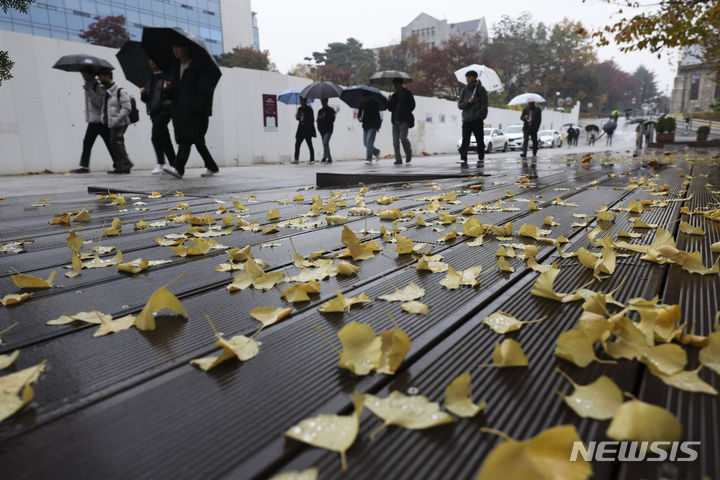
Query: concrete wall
{"type": "Point", "coordinates": [42, 122]}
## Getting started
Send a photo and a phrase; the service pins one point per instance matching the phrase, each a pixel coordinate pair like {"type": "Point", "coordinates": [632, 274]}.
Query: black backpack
{"type": "Point", "coordinates": [134, 115]}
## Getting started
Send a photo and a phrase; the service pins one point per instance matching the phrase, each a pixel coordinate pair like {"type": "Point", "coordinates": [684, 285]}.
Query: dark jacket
{"type": "Point", "coordinates": [326, 120]}
{"type": "Point", "coordinates": [155, 100]}
{"type": "Point", "coordinates": [609, 127]}
{"type": "Point", "coordinates": [306, 122]}
{"type": "Point", "coordinates": [478, 109]}
{"type": "Point", "coordinates": [370, 114]}
{"type": "Point", "coordinates": [402, 105]}
{"type": "Point", "coordinates": [531, 118]}
{"type": "Point", "coordinates": [192, 97]}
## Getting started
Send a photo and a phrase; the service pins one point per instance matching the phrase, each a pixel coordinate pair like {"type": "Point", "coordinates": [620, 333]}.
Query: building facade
{"type": "Point", "coordinates": [66, 19]}
{"type": "Point", "coordinates": [433, 32]}
{"type": "Point", "coordinates": [696, 87]}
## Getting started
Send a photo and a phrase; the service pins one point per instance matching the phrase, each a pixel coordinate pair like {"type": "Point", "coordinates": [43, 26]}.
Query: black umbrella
{"type": "Point", "coordinates": [353, 96]}
{"type": "Point", "coordinates": [591, 127]}
{"type": "Point", "coordinates": [134, 63]}
{"type": "Point", "coordinates": [158, 42]}
{"type": "Point", "coordinates": [75, 63]}
{"type": "Point", "coordinates": [386, 78]}
{"type": "Point", "coordinates": [321, 90]}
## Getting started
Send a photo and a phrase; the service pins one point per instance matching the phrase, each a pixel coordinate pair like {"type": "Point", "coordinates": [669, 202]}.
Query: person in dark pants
{"type": "Point", "coordinates": [116, 115]}
{"type": "Point", "coordinates": [401, 104]}
{"type": "Point", "coordinates": [305, 130]}
{"type": "Point", "coordinates": [191, 92]}
{"type": "Point", "coordinates": [94, 99]}
{"type": "Point", "coordinates": [325, 123]}
{"type": "Point", "coordinates": [159, 109]}
{"type": "Point", "coordinates": [531, 117]}
{"type": "Point", "coordinates": [369, 116]}
{"type": "Point", "coordinates": [474, 105]}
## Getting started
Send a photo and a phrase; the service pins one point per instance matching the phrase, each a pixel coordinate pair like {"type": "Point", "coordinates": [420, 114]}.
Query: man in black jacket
{"type": "Point", "coordinates": [159, 109]}
{"type": "Point", "coordinates": [305, 129]}
{"type": "Point", "coordinates": [531, 117]}
{"type": "Point", "coordinates": [369, 116]}
{"type": "Point", "coordinates": [191, 91]}
{"type": "Point", "coordinates": [325, 122]}
{"type": "Point", "coordinates": [474, 105]}
{"type": "Point", "coordinates": [401, 104]}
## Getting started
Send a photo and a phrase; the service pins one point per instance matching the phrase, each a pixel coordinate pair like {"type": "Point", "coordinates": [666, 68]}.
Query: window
{"type": "Point", "coordinates": [694, 87]}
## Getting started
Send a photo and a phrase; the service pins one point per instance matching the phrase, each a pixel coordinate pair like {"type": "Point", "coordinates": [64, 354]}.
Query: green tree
{"type": "Point", "coordinates": [646, 83]}
{"type": "Point", "coordinates": [6, 63]}
{"type": "Point", "coordinates": [343, 61]}
{"type": "Point", "coordinates": [247, 57]}
{"type": "Point", "coordinates": [107, 31]}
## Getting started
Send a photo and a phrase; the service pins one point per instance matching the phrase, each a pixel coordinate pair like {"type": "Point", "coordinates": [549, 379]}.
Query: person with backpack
{"type": "Point", "coordinates": [116, 113]}
{"type": "Point", "coordinates": [94, 98]}
{"type": "Point", "coordinates": [159, 109]}
{"type": "Point", "coordinates": [474, 105]}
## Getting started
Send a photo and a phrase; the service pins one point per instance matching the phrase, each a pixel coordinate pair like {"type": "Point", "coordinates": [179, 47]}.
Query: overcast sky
{"type": "Point", "coordinates": [292, 29]}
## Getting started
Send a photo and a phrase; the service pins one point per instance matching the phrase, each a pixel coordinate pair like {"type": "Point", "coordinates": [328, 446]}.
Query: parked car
{"type": "Point", "coordinates": [549, 138]}
{"type": "Point", "coordinates": [494, 140]}
{"type": "Point", "coordinates": [514, 135]}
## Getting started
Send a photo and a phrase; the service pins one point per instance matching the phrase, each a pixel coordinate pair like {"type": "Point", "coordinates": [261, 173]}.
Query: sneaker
{"type": "Point", "coordinates": [408, 160]}
{"type": "Point", "coordinates": [172, 171]}
{"type": "Point", "coordinates": [80, 170]}
{"type": "Point", "coordinates": [158, 169]}
{"type": "Point", "coordinates": [295, 161]}
{"type": "Point", "coordinates": [368, 162]}
{"type": "Point", "coordinates": [377, 156]}
{"type": "Point", "coordinates": [209, 173]}
{"type": "Point", "coordinates": [311, 161]}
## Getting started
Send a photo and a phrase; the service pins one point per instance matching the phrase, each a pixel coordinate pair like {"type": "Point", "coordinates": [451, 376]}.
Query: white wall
{"type": "Point", "coordinates": [42, 121]}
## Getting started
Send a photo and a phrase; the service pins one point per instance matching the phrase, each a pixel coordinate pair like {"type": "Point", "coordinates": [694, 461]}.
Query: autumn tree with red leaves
{"type": "Point", "coordinates": [107, 31]}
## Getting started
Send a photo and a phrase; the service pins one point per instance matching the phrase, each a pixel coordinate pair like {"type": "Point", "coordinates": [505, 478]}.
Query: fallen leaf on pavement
{"type": "Point", "coordinates": [458, 397]}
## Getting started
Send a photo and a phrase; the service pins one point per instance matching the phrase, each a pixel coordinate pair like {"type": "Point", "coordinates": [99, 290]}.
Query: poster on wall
{"type": "Point", "coordinates": [270, 113]}
{"type": "Point", "coordinates": [428, 117]}
{"type": "Point", "coordinates": [441, 117]}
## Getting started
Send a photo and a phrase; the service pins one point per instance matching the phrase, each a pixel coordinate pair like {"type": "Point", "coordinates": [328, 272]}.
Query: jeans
{"type": "Point", "coordinates": [609, 139]}
{"type": "Point", "coordinates": [121, 160]}
{"type": "Point", "coordinates": [160, 139]}
{"type": "Point", "coordinates": [298, 142]}
{"type": "Point", "coordinates": [400, 134]}
{"type": "Point", "coordinates": [369, 142]}
{"type": "Point", "coordinates": [472, 128]}
{"type": "Point", "coordinates": [326, 146]}
{"type": "Point", "coordinates": [91, 133]}
{"type": "Point", "coordinates": [530, 134]}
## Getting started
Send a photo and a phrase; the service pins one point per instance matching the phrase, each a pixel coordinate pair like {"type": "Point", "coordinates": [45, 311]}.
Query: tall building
{"type": "Point", "coordinates": [66, 19]}
{"type": "Point", "coordinates": [433, 32]}
{"type": "Point", "coordinates": [696, 86]}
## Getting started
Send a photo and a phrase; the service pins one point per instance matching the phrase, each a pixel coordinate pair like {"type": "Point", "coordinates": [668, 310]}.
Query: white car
{"type": "Point", "coordinates": [514, 134]}
{"type": "Point", "coordinates": [549, 138]}
{"type": "Point", "coordinates": [494, 140]}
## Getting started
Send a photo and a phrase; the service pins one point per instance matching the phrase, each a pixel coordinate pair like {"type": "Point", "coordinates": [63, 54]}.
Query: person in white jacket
{"type": "Point", "coordinates": [94, 98]}
{"type": "Point", "coordinates": [115, 114]}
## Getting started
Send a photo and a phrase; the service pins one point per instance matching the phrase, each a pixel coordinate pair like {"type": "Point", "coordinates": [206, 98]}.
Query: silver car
{"type": "Point", "coordinates": [514, 135]}
{"type": "Point", "coordinates": [494, 140]}
{"type": "Point", "coordinates": [549, 138]}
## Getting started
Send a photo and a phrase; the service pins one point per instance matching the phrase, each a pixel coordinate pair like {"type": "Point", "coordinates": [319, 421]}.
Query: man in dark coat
{"type": "Point", "coordinates": [474, 105]}
{"type": "Point", "coordinates": [531, 117]}
{"type": "Point", "coordinates": [191, 92]}
{"type": "Point", "coordinates": [401, 104]}
{"type": "Point", "coordinates": [305, 130]}
{"type": "Point", "coordinates": [369, 116]}
{"type": "Point", "coordinates": [325, 123]}
{"type": "Point", "coordinates": [159, 109]}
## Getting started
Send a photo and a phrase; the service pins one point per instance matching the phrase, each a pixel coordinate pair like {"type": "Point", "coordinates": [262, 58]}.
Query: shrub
{"type": "Point", "coordinates": [704, 130]}
{"type": "Point", "coordinates": [665, 125]}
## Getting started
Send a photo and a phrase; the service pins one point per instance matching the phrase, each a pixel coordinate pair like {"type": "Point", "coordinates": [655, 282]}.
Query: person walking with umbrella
{"type": "Point", "coordinates": [401, 104]}
{"type": "Point", "coordinates": [609, 129]}
{"type": "Point", "coordinates": [325, 123]}
{"type": "Point", "coordinates": [305, 129]}
{"type": "Point", "coordinates": [94, 99]}
{"type": "Point", "coordinates": [159, 109]}
{"type": "Point", "coordinates": [474, 105]}
{"type": "Point", "coordinates": [369, 116]}
{"type": "Point", "coordinates": [116, 115]}
{"type": "Point", "coordinates": [191, 91]}
{"type": "Point", "coordinates": [531, 117]}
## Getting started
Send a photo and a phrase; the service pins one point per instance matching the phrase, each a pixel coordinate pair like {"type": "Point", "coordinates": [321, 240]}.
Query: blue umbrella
{"type": "Point", "coordinates": [291, 96]}
{"type": "Point", "coordinates": [353, 96]}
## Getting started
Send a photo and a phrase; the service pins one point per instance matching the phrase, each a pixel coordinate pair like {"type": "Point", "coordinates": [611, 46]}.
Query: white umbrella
{"type": "Point", "coordinates": [487, 76]}
{"type": "Point", "coordinates": [525, 98]}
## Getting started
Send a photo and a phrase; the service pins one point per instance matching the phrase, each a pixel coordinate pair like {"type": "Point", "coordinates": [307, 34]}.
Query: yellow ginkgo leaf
{"type": "Point", "coordinates": [576, 347]}
{"type": "Point", "coordinates": [501, 322]}
{"type": "Point", "coordinates": [687, 380]}
{"type": "Point", "coordinates": [98, 262]}
{"type": "Point", "coordinates": [115, 228]}
{"type": "Point", "coordinates": [331, 432]}
{"type": "Point", "coordinates": [503, 265]}
{"type": "Point", "coordinates": [665, 359]}
{"type": "Point", "coordinates": [95, 318]}
{"type": "Point", "coordinates": [309, 474]}
{"type": "Point", "coordinates": [409, 293]}
{"type": "Point", "coordinates": [345, 268]}
{"type": "Point", "coordinates": [390, 214]}
{"type": "Point", "coordinates": [709, 355]}
{"type": "Point", "coordinates": [136, 266]}
{"type": "Point", "coordinates": [7, 360]}
{"type": "Point", "coordinates": [15, 389]}
{"type": "Point", "coordinates": [643, 422]}
{"type": "Point", "coordinates": [685, 227]}
{"type": "Point", "coordinates": [543, 286]}
{"type": "Point", "coordinates": [299, 292]}
{"type": "Point", "coordinates": [357, 250]}
{"type": "Point", "coordinates": [342, 303]}
{"type": "Point", "coordinates": [61, 219]}
{"type": "Point", "coordinates": [362, 350]}
{"type": "Point", "coordinates": [200, 246]}
{"type": "Point", "coordinates": [273, 214]}
{"type": "Point", "coordinates": [693, 263]}
{"type": "Point", "coordinates": [626, 234]}
{"type": "Point", "coordinates": [599, 399]}
{"type": "Point", "coordinates": [240, 347]}
{"type": "Point", "coordinates": [82, 216]}
{"type": "Point", "coordinates": [544, 456]}
{"type": "Point", "coordinates": [432, 264]}
{"type": "Point", "coordinates": [458, 397]}
{"type": "Point", "coordinates": [31, 281]}
{"type": "Point", "coordinates": [161, 299]}
{"type": "Point", "coordinates": [421, 222]}
{"type": "Point", "coordinates": [269, 315]}
{"type": "Point", "coordinates": [74, 242]}
{"type": "Point", "coordinates": [447, 218]}
{"type": "Point", "coordinates": [335, 220]}
{"type": "Point", "coordinates": [404, 245]}
{"type": "Point", "coordinates": [416, 307]}
{"type": "Point", "coordinates": [508, 353]}
{"type": "Point", "coordinates": [453, 279]}
{"type": "Point", "coordinates": [14, 298]}
{"type": "Point", "coordinates": [395, 346]}
{"type": "Point", "coordinates": [715, 247]}
{"type": "Point", "coordinates": [114, 326]}
{"type": "Point", "coordinates": [639, 224]}
{"type": "Point", "coordinates": [412, 412]}
{"type": "Point", "coordinates": [550, 221]}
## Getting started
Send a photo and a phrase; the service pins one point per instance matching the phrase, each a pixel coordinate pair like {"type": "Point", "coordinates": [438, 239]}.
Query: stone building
{"type": "Point", "coordinates": [696, 86]}
{"type": "Point", "coordinates": [433, 32]}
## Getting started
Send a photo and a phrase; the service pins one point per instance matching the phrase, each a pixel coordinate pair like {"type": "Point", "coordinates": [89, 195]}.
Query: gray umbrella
{"type": "Point", "coordinates": [385, 78]}
{"type": "Point", "coordinates": [321, 90]}
{"type": "Point", "coordinates": [75, 63]}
